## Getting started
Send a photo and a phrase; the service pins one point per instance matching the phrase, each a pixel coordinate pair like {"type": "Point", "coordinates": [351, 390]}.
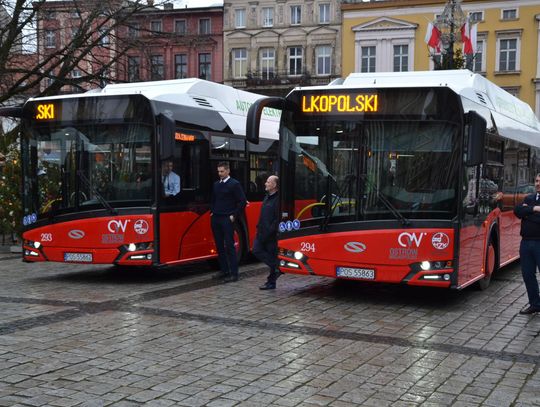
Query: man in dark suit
{"type": "Point", "coordinates": [265, 245]}
{"type": "Point", "coordinates": [226, 206]}
{"type": "Point", "coordinates": [529, 251]}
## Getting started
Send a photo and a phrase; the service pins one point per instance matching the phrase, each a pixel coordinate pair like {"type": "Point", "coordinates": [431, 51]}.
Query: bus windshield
{"type": "Point", "coordinates": [73, 165]}
{"type": "Point", "coordinates": [352, 170]}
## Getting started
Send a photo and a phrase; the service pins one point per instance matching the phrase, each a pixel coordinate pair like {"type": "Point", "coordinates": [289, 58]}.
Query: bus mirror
{"type": "Point", "coordinates": [167, 128]}
{"type": "Point", "coordinates": [254, 116]}
{"type": "Point", "coordinates": [477, 134]}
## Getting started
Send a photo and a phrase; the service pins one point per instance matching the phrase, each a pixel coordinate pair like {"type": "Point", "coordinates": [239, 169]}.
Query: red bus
{"type": "Point", "coordinates": [93, 186]}
{"type": "Point", "coordinates": [406, 178]}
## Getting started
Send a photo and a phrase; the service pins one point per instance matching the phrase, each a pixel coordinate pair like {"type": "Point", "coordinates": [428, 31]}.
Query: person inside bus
{"type": "Point", "coordinates": [265, 244]}
{"type": "Point", "coordinates": [529, 250]}
{"type": "Point", "coordinates": [226, 205]}
{"type": "Point", "coordinates": [170, 179]}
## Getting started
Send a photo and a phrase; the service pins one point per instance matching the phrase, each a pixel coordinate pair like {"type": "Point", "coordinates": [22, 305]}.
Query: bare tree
{"type": "Point", "coordinates": [51, 47]}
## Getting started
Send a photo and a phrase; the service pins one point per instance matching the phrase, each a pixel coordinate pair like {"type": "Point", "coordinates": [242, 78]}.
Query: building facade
{"type": "Point", "coordinates": [390, 36]}
{"type": "Point", "coordinates": [173, 43]}
{"type": "Point", "coordinates": [271, 46]}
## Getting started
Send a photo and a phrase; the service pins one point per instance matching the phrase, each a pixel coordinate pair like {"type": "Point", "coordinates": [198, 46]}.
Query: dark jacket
{"type": "Point", "coordinates": [530, 220]}
{"type": "Point", "coordinates": [269, 219]}
{"type": "Point", "coordinates": [228, 198]}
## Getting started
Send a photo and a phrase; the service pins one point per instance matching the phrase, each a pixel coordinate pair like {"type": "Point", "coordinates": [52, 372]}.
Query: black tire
{"type": "Point", "coordinates": [489, 266]}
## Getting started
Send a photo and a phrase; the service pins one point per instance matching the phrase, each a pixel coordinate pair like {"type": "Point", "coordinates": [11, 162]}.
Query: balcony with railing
{"type": "Point", "coordinates": [280, 79]}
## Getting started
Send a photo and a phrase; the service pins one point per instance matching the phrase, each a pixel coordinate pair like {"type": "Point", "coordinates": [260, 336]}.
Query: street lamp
{"type": "Point", "coordinates": [452, 28]}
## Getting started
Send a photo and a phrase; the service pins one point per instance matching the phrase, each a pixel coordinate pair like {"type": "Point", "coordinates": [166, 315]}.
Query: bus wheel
{"type": "Point", "coordinates": [239, 242]}
{"type": "Point", "coordinates": [489, 266]}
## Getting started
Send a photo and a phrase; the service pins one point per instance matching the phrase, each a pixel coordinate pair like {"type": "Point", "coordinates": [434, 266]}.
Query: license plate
{"type": "Point", "coordinates": [350, 272]}
{"type": "Point", "coordinates": [78, 257]}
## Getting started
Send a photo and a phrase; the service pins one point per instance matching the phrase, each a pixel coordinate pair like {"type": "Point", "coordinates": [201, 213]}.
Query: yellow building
{"type": "Point", "coordinates": [390, 36]}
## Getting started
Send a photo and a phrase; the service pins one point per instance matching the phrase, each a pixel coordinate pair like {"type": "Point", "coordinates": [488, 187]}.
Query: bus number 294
{"type": "Point", "coordinates": [307, 247]}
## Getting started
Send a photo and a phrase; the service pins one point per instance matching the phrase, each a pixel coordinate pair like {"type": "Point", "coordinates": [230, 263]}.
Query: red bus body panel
{"type": "Point", "coordinates": [101, 237]}
{"type": "Point", "coordinates": [389, 252]}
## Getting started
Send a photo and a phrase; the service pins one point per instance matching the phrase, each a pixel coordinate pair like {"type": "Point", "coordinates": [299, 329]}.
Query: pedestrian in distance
{"type": "Point", "coordinates": [226, 206]}
{"type": "Point", "coordinates": [265, 244]}
{"type": "Point", "coordinates": [529, 251]}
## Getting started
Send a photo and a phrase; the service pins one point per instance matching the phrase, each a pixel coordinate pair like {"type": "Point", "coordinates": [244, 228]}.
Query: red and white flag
{"type": "Point", "coordinates": [468, 36]}
{"type": "Point", "coordinates": [433, 37]}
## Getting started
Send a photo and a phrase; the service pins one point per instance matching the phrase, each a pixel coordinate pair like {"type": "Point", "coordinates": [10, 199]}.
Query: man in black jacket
{"type": "Point", "coordinates": [529, 251]}
{"type": "Point", "coordinates": [265, 245]}
{"type": "Point", "coordinates": [226, 206]}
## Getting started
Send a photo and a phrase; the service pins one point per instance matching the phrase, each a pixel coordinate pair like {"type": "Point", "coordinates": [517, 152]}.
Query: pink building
{"type": "Point", "coordinates": [171, 43]}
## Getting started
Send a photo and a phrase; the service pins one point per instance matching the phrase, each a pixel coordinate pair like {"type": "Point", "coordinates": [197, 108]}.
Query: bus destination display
{"type": "Point", "coordinates": [45, 111]}
{"type": "Point", "coordinates": [340, 103]}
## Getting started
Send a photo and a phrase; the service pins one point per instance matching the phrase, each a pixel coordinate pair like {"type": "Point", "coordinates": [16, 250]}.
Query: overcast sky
{"type": "Point", "coordinates": [197, 3]}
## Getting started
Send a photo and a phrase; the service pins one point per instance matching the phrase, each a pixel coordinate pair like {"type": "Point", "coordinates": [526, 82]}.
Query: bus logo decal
{"type": "Point", "coordinates": [355, 247]}
{"type": "Point", "coordinates": [440, 241]}
{"type": "Point", "coordinates": [407, 239]}
{"type": "Point", "coordinates": [140, 227]}
{"type": "Point", "coordinates": [115, 226]}
{"type": "Point", "coordinates": [76, 234]}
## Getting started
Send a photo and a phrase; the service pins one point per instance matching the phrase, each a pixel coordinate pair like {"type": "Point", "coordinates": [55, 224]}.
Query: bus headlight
{"type": "Point", "coordinates": [425, 265]}
{"type": "Point", "coordinates": [298, 255]}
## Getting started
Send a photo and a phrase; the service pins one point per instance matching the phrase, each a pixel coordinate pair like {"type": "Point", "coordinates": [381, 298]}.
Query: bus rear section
{"type": "Point", "coordinates": [406, 178]}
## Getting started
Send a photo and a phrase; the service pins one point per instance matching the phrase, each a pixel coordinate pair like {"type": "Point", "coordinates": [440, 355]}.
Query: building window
{"type": "Point", "coordinates": [156, 67]}
{"type": "Point", "coordinates": [295, 61]}
{"type": "Point", "coordinates": [368, 59]}
{"type": "Point", "coordinates": [180, 27]}
{"type": "Point", "coordinates": [296, 15]}
{"type": "Point", "coordinates": [324, 13]}
{"type": "Point", "coordinates": [103, 38]}
{"type": "Point", "coordinates": [401, 58]}
{"type": "Point", "coordinates": [133, 30]}
{"type": "Point", "coordinates": [268, 62]}
{"type": "Point", "coordinates": [323, 56]}
{"type": "Point", "coordinates": [205, 65]}
{"type": "Point", "coordinates": [240, 18]}
{"type": "Point", "coordinates": [204, 26]}
{"type": "Point", "coordinates": [513, 90]}
{"type": "Point", "coordinates": [239, 63]}
{"type": "Point", "coordinates": [508, 51]}
{"type": "Point", "coordinates": [155, 26]}
{"type": "Point", "coordinates": [50, 39]}
{"type": "Point", "coordinates": [476, 16]}
{"type": "Point", "coordinates": [479, 63]}
{"type": "Point", "coordinates": [134, 64]}
{"type": "Point", "coordinates": [180, 66]}
{"type": "Point", "coordinates": [76, 73]}
{"type": "Point", "coordinates": [268, 16]}
{"type": "Point", "coordinates": [509, 14]}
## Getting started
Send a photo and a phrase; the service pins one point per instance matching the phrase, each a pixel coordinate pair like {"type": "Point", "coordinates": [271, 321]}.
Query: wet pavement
{"type": "Point", "coordinates": [83, 335]}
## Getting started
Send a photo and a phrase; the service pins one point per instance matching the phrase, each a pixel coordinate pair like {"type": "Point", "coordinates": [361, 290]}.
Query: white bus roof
{"type": "Point", "coordinates": [230, 103]}
{"type": "Point", "coordinates": [463, 82]}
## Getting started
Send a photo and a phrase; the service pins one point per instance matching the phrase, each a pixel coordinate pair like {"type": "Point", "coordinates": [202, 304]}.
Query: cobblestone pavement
{"type": "Point", "coordinates": [74, 335]}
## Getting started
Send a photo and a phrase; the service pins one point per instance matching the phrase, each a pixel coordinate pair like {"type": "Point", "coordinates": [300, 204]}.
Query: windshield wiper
{"type": "Point", "coordinates": [99, 197]}
{"type": "Point", "coordinates": [398, 215]}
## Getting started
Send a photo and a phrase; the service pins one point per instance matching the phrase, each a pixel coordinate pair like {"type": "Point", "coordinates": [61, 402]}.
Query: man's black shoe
{"type": "Point", "coordinates": [267, 286]}
{"type": "Point", "coordinates": [529, 310]}
{"type": "Point", "coordinates": [219, 276]}
{"type": "Point", "coordinates": [230, 279]}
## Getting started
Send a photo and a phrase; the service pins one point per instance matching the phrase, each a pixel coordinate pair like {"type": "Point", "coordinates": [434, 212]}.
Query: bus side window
{"type": "Point", "coordinates": [263, 162]}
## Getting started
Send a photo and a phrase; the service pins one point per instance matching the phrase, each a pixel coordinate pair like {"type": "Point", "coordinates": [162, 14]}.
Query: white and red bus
{"type": "Point", "coordinates": [406, 178]}
{"type": "Point", "coordinates": [92, 171]}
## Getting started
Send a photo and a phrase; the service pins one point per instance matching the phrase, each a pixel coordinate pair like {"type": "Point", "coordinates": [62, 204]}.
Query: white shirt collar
{"type": "Point", "coordinates": [225, 179]}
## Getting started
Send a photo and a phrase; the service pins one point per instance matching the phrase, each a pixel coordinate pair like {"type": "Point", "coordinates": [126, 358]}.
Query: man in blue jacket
{"type": "Point", "coordinates": [226, 206]}
{"type": "Point", "coordinates": [265, 245]}
{"type": "Point", "coordinates": [529, 251]}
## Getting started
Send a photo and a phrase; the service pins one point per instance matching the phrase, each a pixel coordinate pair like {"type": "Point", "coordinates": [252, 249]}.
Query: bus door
{"type": "Point", "coordinates": [185, 185]}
